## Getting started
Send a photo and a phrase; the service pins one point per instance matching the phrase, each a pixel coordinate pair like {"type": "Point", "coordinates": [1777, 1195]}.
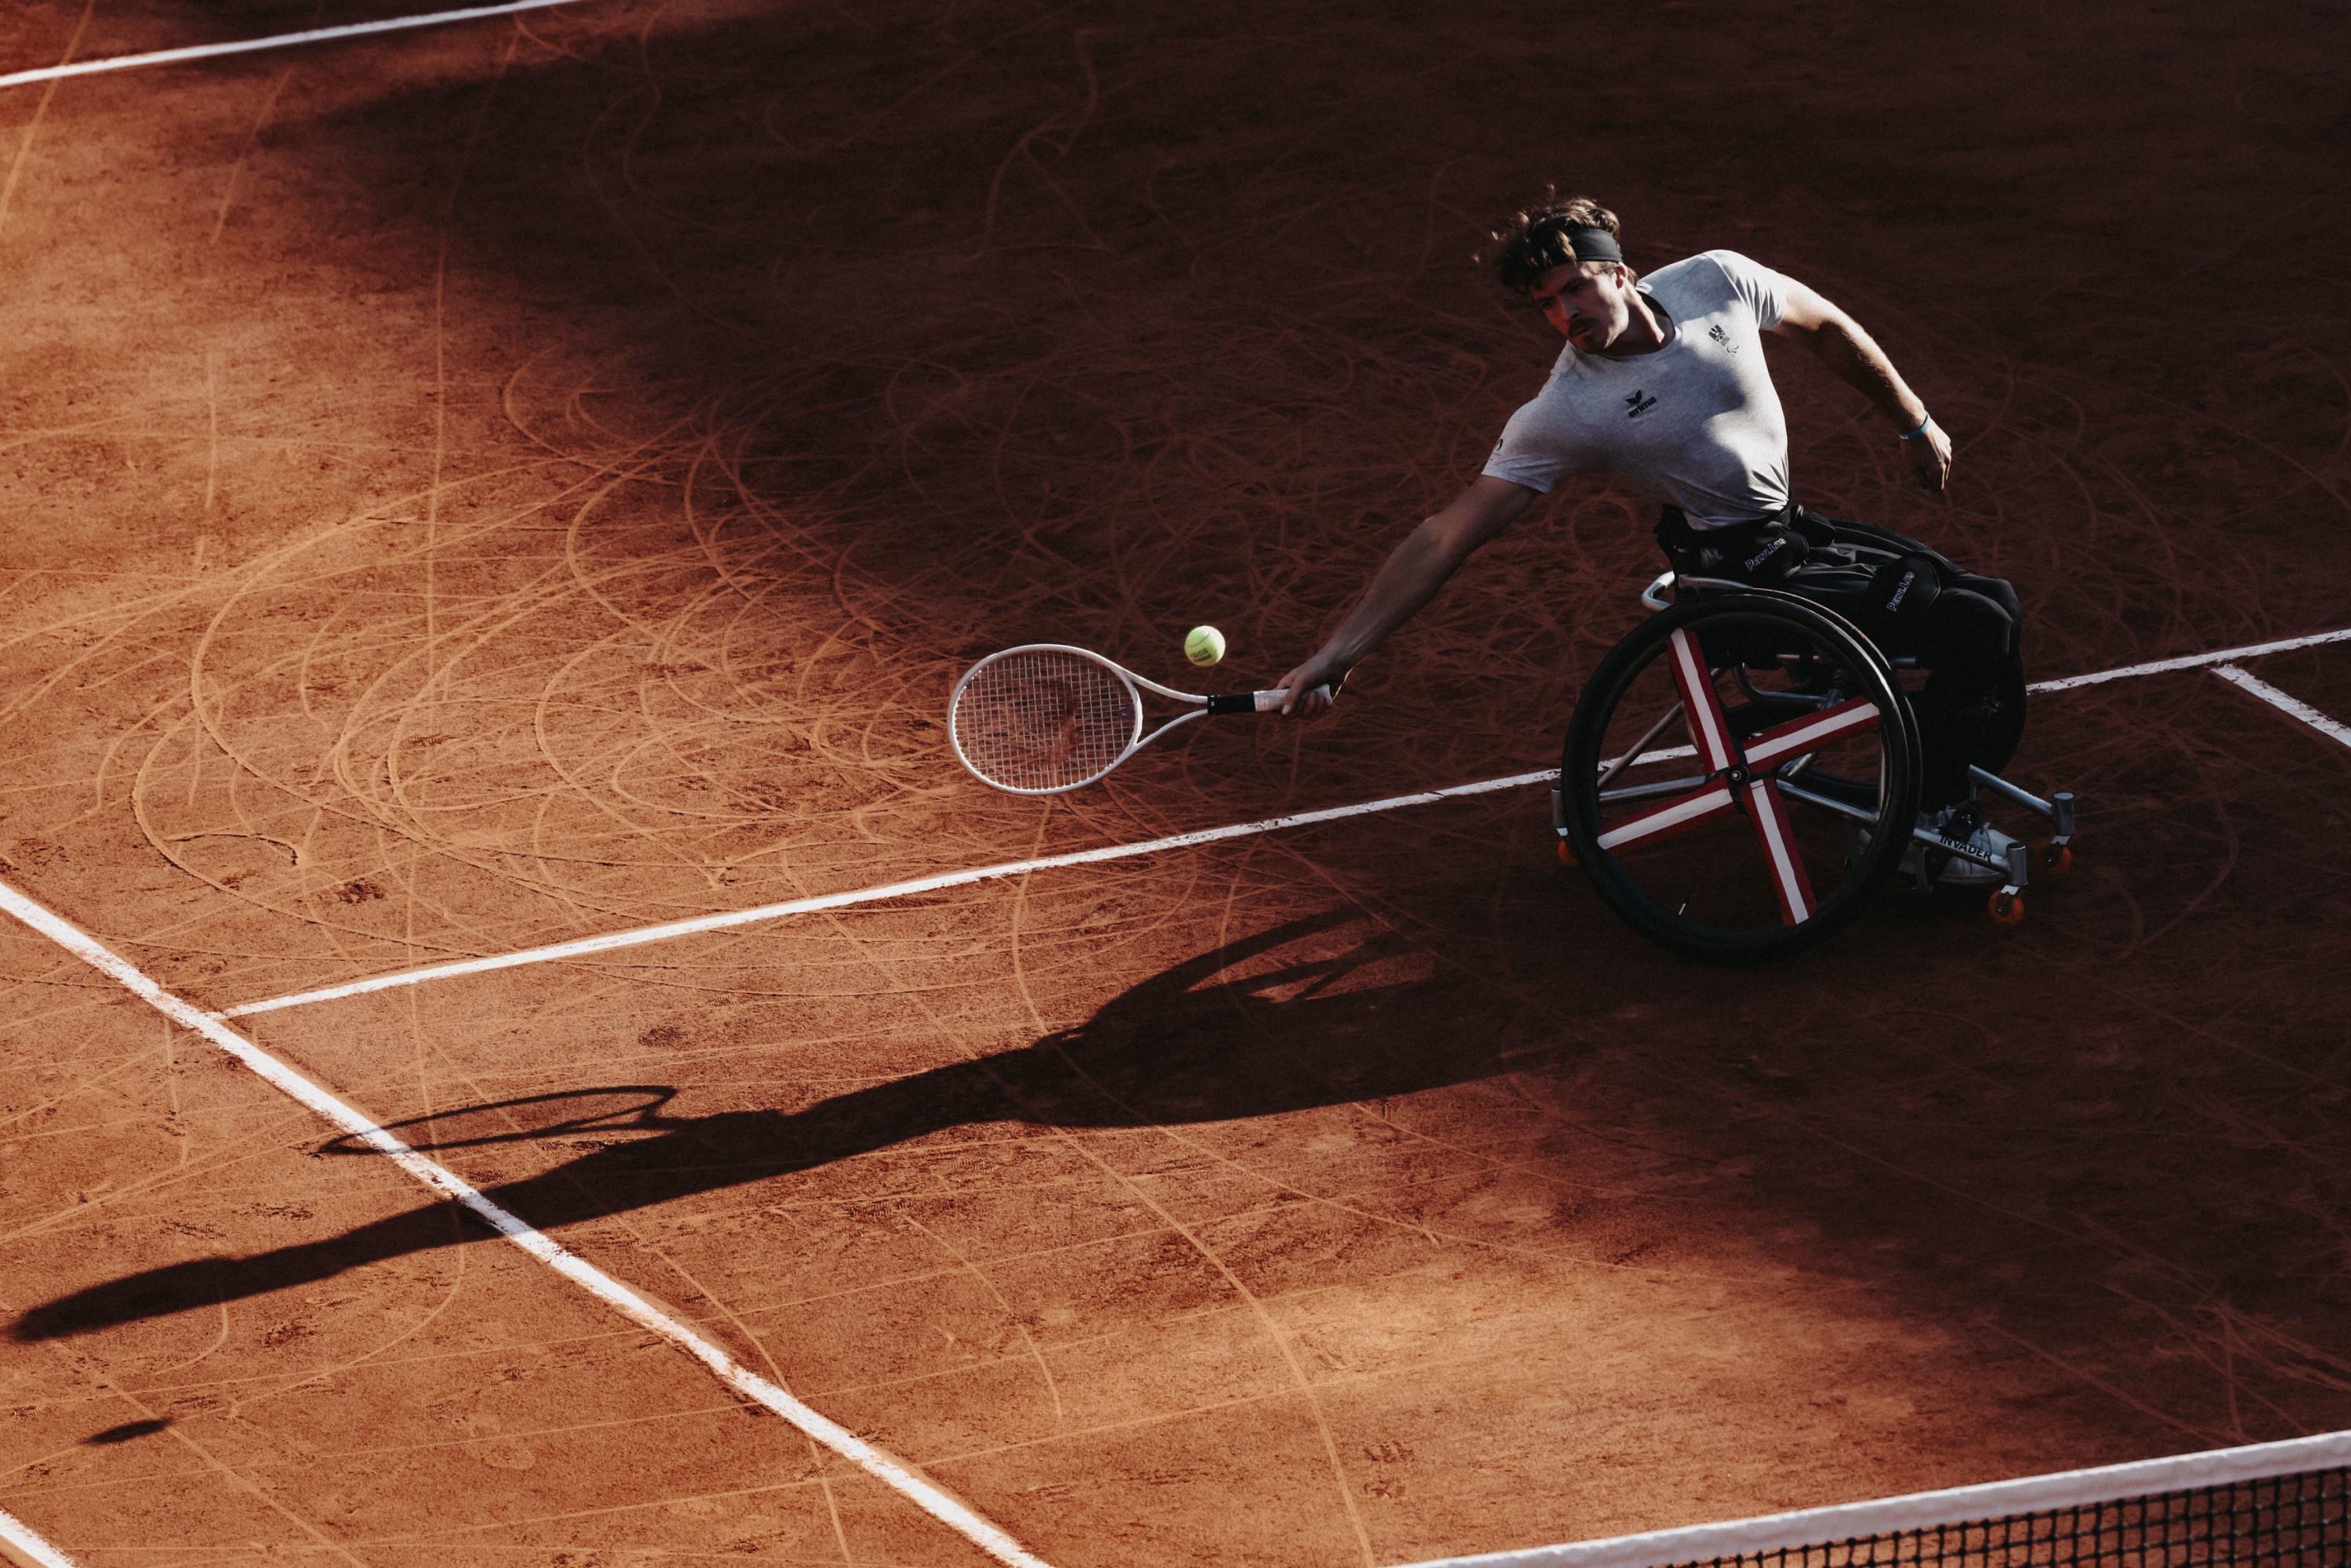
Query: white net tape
{"type": "Point", "coordinates": [1043, 719]}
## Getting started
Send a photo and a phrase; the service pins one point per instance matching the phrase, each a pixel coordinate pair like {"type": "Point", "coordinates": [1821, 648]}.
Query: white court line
{"type": "Point", "coordinates": [2284, 703]}
{"type": "Point", "coordinates": [2196, 660]}
{"type": "Point", "coordinates": [275, 41]}
{"type": "Point", "coordinates": [642, 935]}
{"type": "Point", "coordinates": [1763, 1537]}
{"type": "Point", "coordinates": [606, 944]}
{"type": "Point", "coordinates": [13, 1532]}
{"type": "Point", "coordinates": [955, 1515]}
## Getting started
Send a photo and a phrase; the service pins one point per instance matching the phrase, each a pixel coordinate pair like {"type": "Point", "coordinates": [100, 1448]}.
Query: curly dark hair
{"type": "Point", "coordinates": [1535, 240]}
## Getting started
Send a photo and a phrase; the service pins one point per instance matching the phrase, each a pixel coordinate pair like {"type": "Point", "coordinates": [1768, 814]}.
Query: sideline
{"type": "Point", "coordinates": [2194, 661]}
{"type": "Point", "coordinates": [585, 946]}
{"type": "Point", "coordinates": [28, 1547]}
{"type": "Point", "coordinates": [892, 1473]}
{"type": "Point", "coordinates": [275, 41]}
{"type": "Point", "coordinates": [2284, 703]}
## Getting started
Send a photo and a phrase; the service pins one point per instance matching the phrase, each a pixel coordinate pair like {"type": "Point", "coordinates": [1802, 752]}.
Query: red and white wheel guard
{"type": "Point", "coordinates": [1721, 753]}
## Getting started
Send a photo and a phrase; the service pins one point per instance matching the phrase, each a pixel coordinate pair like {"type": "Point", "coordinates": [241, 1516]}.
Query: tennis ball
{"type": "Point", "coordinates": [1204, 645]}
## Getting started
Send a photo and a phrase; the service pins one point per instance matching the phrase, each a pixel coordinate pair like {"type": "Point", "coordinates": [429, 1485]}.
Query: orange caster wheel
{"type": "Point", "coordinates": [2008, 908]}
{"type": "Point", "coordinates": [2052, 859]}
{"type": "Point", "coordinates": [1566, 852]}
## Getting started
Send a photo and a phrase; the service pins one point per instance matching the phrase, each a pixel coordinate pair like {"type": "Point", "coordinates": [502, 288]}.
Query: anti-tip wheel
{"type": "Point", "coordinates": [1566, 853]}
{"type": "Point", "coordinates": [2008, 908]}
{"type": "Point", "coordinates": [2051, 859]}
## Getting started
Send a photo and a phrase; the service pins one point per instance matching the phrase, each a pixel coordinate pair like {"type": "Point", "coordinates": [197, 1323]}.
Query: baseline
{"type": "Point", "coordinates": [586, 946]}
{"type": "Point", "coordinates": [2292, 705]}
{"type": "Point", "coordinates": [892, 1473]}
{"type": "Point", "coordinates": [275, 41]}
{"type": "Point", "coordinates": [2194, 661]}
{"type": "Point", "coordinates": [17, 1542]}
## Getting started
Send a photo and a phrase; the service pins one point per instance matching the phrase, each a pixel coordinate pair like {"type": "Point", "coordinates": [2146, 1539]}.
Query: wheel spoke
{"type": "Point", "coordinates": [1767, 747]}
{"type": "Point", "coordinates": [1769, 814]}
{"type": "Point", "coordinates": [1672, 817]}
{"type": "Point", "coordinates": [1707, 726]}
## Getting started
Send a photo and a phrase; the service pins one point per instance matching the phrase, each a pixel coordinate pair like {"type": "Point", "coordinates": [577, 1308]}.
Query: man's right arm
{"type": "Point", "coordinates": [1408, 580]}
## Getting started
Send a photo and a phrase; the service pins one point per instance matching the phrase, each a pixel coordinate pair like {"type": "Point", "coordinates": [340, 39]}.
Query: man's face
{"type": "Point", "coordinates": [1590, 307]}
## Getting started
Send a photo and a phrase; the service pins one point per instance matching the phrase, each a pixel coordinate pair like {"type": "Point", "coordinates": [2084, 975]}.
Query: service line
{"type": "Point", "coordinates": [587, 946]}
{"type": "Point", "coordinates": [2284, 703]}
{"type": "Point", "coordinates": [275, 41]}
{"type": "Point", "coordinates": [31, 1547]}
{"type": "Point", "coordinates": [891, 1472]}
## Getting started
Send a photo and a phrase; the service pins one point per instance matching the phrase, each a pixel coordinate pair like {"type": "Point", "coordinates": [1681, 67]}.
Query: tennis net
{"type": "Point", "coordinates": [2271, 1505]}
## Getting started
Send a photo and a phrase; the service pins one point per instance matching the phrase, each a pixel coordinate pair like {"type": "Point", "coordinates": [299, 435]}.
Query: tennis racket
{"type": "Point", "coordinates": [1045, 717]}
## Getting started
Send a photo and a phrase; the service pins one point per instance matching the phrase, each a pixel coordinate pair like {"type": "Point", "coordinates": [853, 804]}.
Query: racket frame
{"type": "Point", "coordinates": [1197, 706]}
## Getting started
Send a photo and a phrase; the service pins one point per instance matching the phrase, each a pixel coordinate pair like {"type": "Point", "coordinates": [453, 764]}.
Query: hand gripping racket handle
{"type": "Point", "coordinates": [1248, 702]}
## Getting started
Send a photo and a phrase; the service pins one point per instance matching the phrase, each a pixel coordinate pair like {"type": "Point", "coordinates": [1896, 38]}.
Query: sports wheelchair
{"type": "Point", "coordinates": [1741, 776]}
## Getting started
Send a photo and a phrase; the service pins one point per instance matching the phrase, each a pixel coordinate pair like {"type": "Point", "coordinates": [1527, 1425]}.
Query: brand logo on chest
{"type": "Point", "coordinates": [1722, 338]}
{"type": "Point", "coordinates": [1638, 403]}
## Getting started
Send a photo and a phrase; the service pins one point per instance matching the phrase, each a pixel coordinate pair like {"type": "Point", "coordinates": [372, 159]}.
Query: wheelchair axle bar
{"type": "Point", "coordinates": [2058, 809]}
{"type": "Point", "coordinates": [1829, 802]}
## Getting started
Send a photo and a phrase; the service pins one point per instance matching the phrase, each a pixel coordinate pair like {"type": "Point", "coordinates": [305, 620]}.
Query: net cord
{"type": "Point", "coordinates": [1927, 1510]}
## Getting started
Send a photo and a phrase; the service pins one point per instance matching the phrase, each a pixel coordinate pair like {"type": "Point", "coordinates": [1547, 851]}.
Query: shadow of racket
{"type": "Point", "coordinates": [519, 1120]}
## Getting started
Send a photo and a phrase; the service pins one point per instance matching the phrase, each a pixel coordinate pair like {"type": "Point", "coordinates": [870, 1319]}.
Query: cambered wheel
{"type": "Point", "coordinates": [1728, 770]}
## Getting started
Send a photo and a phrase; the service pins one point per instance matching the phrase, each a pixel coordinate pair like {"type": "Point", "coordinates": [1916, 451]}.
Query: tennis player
{"type": "Point", "coordinates": [1663, 388]}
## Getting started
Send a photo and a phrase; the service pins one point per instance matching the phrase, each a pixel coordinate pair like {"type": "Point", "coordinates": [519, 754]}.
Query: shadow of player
{"type": "Point", "coordinates": [1244, 1030]}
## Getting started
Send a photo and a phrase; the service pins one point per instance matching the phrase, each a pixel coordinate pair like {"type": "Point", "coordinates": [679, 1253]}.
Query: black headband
{"type": "Point", "coordinates": [1593, 244]}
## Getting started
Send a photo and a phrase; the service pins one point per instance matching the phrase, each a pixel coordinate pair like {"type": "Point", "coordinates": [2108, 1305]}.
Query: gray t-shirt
{"type": "Point", "coordinates": [1696, 423]}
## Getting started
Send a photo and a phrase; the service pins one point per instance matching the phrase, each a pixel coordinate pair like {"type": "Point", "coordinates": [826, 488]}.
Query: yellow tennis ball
{"type": "Point", "coordinates": [1204, 645]}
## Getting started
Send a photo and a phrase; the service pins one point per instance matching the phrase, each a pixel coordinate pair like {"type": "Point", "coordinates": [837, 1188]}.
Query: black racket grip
{"type": "Point", "coordinates": [1245, 702]}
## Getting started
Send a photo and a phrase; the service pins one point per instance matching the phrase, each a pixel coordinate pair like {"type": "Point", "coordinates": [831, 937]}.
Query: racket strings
{"type": "Point", "coordinates": [1043, 720]}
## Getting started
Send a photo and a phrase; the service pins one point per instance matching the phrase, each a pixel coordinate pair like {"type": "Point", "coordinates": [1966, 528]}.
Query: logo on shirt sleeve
{"type": "Point", "coordinates": [1641, 403]}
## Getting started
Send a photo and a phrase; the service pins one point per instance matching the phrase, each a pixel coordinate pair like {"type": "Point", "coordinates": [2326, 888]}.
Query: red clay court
{"type": "Point", "coordinates": [476, 490]}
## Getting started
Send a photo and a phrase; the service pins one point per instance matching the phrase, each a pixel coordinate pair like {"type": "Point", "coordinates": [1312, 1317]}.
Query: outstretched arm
{"type": "Point", "coordinates": [1854, 355]}
{"type": "Point", "coordinates": [1409, 579]}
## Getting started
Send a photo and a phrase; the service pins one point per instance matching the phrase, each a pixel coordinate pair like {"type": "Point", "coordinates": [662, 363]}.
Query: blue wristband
{"type": "Point", "coordinates": [1924, 425]}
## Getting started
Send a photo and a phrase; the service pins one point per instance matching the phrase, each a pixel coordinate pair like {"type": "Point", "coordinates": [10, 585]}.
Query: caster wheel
{"type": "Point", "coordinates": [2051, 859]}
{"type": "Point", "coordinates": [2008, 908]}
{"type": "Point", "coordinates": [1567, 854]}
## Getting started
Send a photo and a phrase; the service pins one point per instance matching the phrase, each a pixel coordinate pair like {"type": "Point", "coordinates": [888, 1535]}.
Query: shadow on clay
{"type": "Point", "coordinates": [1244, 1030]}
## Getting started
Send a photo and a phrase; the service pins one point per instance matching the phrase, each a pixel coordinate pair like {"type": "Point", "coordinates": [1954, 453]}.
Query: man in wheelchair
{"type": "Point", "coordinates": [1663, 388]}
